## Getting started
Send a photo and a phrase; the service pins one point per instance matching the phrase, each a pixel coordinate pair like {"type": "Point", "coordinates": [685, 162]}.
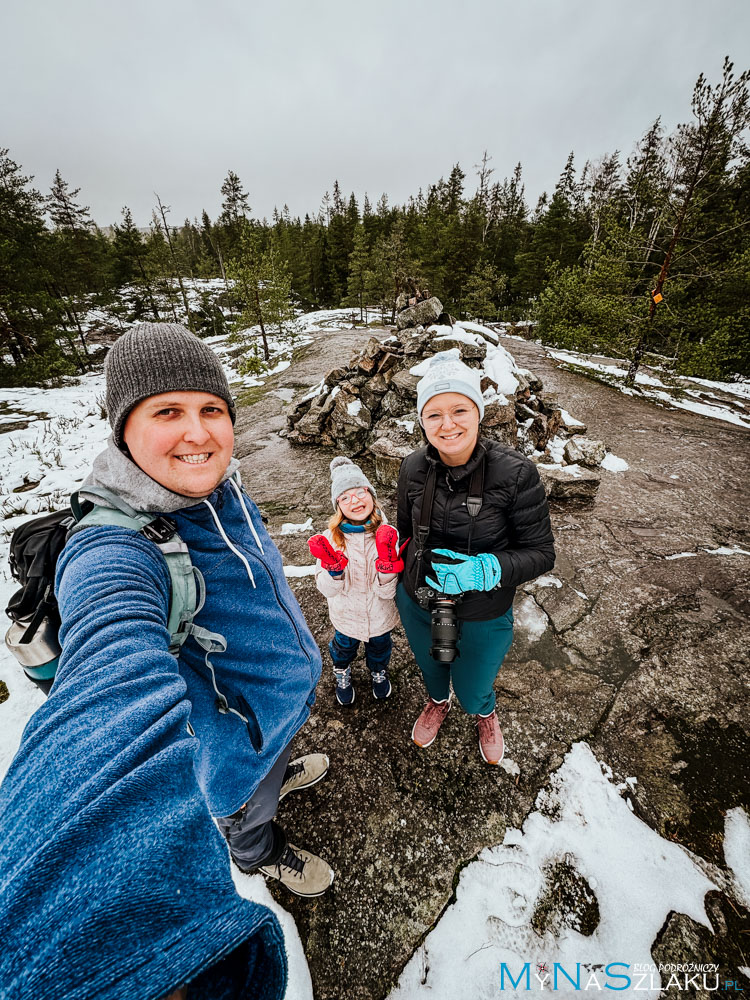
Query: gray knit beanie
{"type": "Point", "coordinates": [447, 373]}
{"type": "Point", "coordinates": [152, 358]}
{"type": "Point", "coordinates": [345, 475]}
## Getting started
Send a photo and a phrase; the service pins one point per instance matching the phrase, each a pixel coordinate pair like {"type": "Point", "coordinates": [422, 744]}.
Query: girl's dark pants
{"type": "Point", "coordinates": [482, 645]}
{"type": "Point", "coordinates": [378, 648]}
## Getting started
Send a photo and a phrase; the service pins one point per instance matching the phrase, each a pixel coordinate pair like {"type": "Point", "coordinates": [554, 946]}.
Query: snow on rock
{"type": "Point", "coordinates": [501, 367]}
{"type": "Point", "coordinates": [255, 888]}
{"type": "Point", "coordinates": [289, 528]}
{"type": "Point", "coordinates": [529, 618]}
{"type": "Point", "coordinates": [408, 425]}
{"type": "Point", "coordinates": [636, 877]}
{"type": "Point", "coordinates": [722, 550]}
{"type": "Point", "coordinates": [614, 464]}
{"type": "Point", "coordinates": [315, 391]}
{"type": "Point", "coordinates": [354, 407]}
{"type": "Point", "coordinates": [574, 471]}
{"type": "Point", "coordinates": [483, 330]}
{"type": "Point", "coordinates": [452, 354]}
{"type": "Point", "coordinates": [727, 550]}
{"type": "Point", "coordinates": [294, 571]}
{"type": "Point", "coordinates": [737, 851]}
{"type": "Point", "coordinates": [570, 422]}
{"type": "Point", "coordinates": [455, 333]}
{"type": "Point", "coordinates": [556, 448]}
{"type": "Point", "coordinates": [542, 581]}
{"type": "Point", "coordinates": [616, 371]}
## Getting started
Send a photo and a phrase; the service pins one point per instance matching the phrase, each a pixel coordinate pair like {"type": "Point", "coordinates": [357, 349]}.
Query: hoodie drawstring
{"type": "Point", "coordinates": [234, 548]}
{"type": "Point", "coordinates": [245, 511]}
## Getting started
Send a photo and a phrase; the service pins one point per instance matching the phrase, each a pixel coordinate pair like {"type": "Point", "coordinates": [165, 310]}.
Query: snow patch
{"type": "Point", "coordinates": [658, 391]}
{"type": "Point", "coordinates": [354, 407]}
{"type": "Point", "coordinates": [485, 331]}
{"type": "Point", "coordinates": [581, 819]}
{"type": "Point", "coordinates": [455, 333]}
{"type": "Point", "coordinates": [295, 571]}
{"type": "Point", "coordinates": [614, 464]}
{"type": "Point", "coordinates": [737, 851]}
{"type": "Point", "coordinates": [452, 354]}
{"type": "Point", "coordinates": [408, 425]}
{"type": "Point", "coordinates": [500, 366]}
{"type": "Point", "coordinates": [574, 471]}
{"type": "Point", "coordinates": [570, 421]}
{"type": "Point", "coordinates": [530, 618]}
{"type": "Point", "coordinates": [722, 550]}
{"type": "Point", "coordinates": [289, 528]}
{"type": "Point", "coordinates": [255, 888]}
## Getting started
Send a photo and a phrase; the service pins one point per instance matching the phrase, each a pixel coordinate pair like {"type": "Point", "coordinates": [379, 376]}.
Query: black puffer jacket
{"type": "Point", "coordinates": [513, 523]}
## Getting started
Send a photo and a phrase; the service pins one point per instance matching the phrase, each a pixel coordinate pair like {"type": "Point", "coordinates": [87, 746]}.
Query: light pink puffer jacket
{"type": "Point", "coordinates": [359, 605]}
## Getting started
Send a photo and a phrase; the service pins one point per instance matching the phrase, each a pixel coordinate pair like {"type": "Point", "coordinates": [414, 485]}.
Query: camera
{"type": "Point", "coordinates": [443, 623]}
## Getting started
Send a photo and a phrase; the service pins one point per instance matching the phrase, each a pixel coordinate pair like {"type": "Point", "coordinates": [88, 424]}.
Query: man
{"type": "Point", "coordinates": [114, 881]}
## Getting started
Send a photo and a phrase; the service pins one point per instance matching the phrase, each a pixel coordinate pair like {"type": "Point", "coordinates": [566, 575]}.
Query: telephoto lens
{"type": "Point", "coordinates": [444, 630]}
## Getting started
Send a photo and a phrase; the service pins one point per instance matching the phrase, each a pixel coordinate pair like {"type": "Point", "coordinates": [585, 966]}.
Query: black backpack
{"type": "Point", "coordinates": [34, 550]}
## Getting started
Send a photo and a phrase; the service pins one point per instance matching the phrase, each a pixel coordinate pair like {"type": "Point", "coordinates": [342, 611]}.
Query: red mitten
{"type": "Point", "coordinates": [332, 560]}
{"type": "Point", "coordinates": [386, 541]}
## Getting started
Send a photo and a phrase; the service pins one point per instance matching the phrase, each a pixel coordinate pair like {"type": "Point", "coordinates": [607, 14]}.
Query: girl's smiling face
{"type": "Point", "coordinates": [356, 504]}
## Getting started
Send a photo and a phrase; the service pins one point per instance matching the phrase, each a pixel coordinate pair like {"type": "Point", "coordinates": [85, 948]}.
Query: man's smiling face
{"type": "Point", "coordinates": [182, 440]}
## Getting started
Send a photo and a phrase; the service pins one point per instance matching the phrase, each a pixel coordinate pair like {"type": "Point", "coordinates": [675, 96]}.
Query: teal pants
{"type": "Point", "coordinates": [482, 647]}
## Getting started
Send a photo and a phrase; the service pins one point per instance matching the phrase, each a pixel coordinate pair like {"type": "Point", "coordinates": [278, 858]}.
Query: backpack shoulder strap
{"type": "Point", "coordinates": [111, 499]}
{"type": "Point", "coordinates": [184, 599]}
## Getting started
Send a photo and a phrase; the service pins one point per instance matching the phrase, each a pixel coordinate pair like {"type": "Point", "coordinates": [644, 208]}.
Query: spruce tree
{"type": "Point", "coordinates": [30, 325]}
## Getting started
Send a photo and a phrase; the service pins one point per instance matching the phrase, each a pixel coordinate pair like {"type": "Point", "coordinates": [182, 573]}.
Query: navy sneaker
{"type": "Point", "coordinates": [344, 688]}
{"type": "Point", "coordinates": [381, 685]}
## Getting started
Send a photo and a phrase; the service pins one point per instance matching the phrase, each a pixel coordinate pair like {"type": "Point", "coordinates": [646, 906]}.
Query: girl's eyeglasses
{"type": "Point", "coordinates": [346, 498]}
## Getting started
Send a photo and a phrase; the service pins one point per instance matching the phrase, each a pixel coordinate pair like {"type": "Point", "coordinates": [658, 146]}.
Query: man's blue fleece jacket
{"type": "Point", "coordinates": [114, 881]}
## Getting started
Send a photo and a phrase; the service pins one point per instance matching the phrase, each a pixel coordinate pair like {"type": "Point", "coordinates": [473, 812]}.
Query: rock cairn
{"type": "Point", "coordinates": [369, 404]}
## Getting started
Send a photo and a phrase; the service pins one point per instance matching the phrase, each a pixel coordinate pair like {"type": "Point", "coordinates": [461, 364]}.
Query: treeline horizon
{"type": "Point", "coordinates": [646, 254]}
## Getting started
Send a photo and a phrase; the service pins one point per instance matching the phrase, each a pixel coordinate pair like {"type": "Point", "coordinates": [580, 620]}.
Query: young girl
{"type": "Point", "coordinates": [357, 571]}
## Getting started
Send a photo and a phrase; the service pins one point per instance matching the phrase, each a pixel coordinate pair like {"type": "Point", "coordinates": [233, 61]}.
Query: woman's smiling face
{"type": "Point", "coordinates": [183, 440]}
{"type": "Point", "coordinates": [451, 423]}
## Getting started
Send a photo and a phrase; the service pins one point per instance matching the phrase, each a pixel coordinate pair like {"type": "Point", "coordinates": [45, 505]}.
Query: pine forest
{"type": "Point", "coordinates": [641, 252]}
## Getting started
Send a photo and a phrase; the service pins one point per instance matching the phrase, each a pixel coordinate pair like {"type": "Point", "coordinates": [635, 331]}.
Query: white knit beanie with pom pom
{"type": "Point", "coordinates": [345, 475]}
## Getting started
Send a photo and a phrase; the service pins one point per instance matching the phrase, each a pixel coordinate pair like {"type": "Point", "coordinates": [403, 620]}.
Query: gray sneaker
{"type": "Point", "coordinates": [302, 873]}
{"type": "Point", "coordinates": [304, 772]}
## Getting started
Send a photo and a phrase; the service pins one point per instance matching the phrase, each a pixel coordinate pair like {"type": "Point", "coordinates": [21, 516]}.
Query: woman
{"type": "Point", "coordinates": [477, 516]}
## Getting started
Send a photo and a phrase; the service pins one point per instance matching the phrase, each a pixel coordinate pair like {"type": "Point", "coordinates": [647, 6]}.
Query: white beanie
{"type": "Point", "coordinates": [345, 475]}
{"type": "Point", "coordinates": [447, 373]}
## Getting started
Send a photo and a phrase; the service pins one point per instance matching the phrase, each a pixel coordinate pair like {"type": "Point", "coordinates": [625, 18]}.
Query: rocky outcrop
{"type": "Point", "coordinates": [369, 405]}
{"type": "Point", "coordinates": [421, 314]}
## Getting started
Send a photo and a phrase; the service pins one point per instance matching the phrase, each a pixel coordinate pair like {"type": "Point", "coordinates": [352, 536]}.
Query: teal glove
{"type": "Point", "coordinates": [457, 573]}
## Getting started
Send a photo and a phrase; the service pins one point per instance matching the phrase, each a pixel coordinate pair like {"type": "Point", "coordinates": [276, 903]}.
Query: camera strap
{"type": "Point", "coordinates": [422, 526]}
{"type": "Point", "coordinates": [474, 498]}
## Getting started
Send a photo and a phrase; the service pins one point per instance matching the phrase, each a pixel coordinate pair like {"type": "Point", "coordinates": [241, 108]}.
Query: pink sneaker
{"type": "Point", "coordinates": [429, 722]}
{"type": "Point", "coordinates": [491, 743]}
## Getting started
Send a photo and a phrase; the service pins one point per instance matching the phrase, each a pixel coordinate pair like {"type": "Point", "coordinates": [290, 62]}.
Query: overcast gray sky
{"type": "Point", "coordinates": [131, 97]}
